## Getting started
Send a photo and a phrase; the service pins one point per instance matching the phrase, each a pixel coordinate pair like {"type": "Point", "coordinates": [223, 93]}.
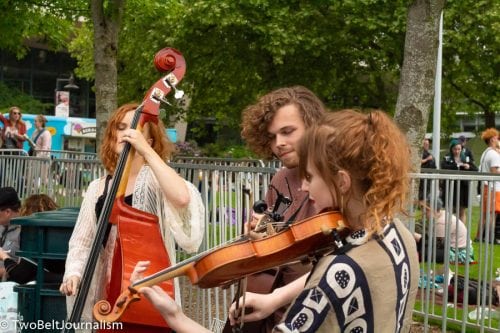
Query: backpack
{"type": "Point", "coordinates": [474, 289]}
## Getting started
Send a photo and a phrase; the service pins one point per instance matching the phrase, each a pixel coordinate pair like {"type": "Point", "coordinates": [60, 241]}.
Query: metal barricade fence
{"type": "Point", "coordinates": [64, 180]}
{"type": "Point", "coordinates": [227, 161]}
{"type": "Point", "coordinates": [229, 189]}
{"type": "Point", "coordinates": [465, 290]}
{"type": "Point", "coordinates": [66, 154]}
{"type": "Point", "coordinates": [228, 193]}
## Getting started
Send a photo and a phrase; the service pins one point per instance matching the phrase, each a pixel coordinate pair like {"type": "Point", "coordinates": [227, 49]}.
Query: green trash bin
{"type": "Point", "coordinates": [44, 236]}
{"type": "Point", "coordinates": [52, 307]}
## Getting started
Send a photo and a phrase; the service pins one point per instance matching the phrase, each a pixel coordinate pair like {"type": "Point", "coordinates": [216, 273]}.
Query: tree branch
{"type": "Point", "coordinates": [467, 95]}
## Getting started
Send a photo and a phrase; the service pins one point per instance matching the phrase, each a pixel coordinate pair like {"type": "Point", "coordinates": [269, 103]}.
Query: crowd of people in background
{"type": "Point", "coordinates": [13, 134]}
{"type": "Point", "coordinates": [456, 194]}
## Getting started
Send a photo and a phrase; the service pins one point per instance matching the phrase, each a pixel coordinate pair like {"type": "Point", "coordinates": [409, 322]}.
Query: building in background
{"type": "Point", "coordinates": [43, 73]}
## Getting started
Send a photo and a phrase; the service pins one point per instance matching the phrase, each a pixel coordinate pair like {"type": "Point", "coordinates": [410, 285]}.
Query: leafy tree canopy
{"type": "Point", "coordinates": [49, 22]}
{"type": "Point", "coordinates": [349, 52]}
{"type": "Point", "coordinates": [471, 58]}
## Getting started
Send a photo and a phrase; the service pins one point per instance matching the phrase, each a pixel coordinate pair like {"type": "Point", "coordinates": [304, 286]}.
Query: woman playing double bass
{"type": "Point", "coordinates": [152, 186]}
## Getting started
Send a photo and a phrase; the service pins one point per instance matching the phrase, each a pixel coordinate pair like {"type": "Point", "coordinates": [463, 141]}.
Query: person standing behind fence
{"type": "Point", "coordinates": [347, 163]}
{"type": "Point", "coordinates": [466, 152]}
{"type": "Point", "coordinates": [455, 160]}
{"type": "Point", "coordinates": [14, 129]}
{"type": "Point", "coordinates": [490, 163]}
{"type": "Point", "coordinates": [272, 128]}
{"type": "Point", "coordinates": [41, 137]}
{"type": "Point", "coordinates": [152, 186]}
{"type": "Point", "coordinates": [427, 162]}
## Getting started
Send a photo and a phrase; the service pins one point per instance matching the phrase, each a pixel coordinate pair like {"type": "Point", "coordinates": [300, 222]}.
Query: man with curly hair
{"type": "Point", "coordinates": [273, 128]}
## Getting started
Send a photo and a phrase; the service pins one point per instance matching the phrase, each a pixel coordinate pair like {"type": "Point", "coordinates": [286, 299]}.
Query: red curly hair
{"type": "Point", "coordinates": [372, 149]}
{"type": "Point", "coordinates": [161, 144]}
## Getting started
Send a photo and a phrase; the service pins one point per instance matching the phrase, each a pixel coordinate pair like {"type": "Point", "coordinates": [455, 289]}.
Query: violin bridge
{"type": "Point", "coordinates": [270, 229]}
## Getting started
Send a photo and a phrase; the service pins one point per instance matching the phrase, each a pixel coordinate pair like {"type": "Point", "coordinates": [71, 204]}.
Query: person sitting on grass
{"type": "Point", "coordinates": [447, 226]}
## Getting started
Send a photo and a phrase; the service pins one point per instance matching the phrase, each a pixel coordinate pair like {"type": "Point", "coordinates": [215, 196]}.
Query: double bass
{"type": "Point", "coordinates": [138, 232]}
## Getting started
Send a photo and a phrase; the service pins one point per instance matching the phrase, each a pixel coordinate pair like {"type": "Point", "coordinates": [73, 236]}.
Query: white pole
{"type": "Point", "coordinates": [436, 130]}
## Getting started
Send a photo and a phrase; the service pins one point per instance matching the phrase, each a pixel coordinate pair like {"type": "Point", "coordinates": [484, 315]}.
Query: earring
{"type": "Point", "coordinates": [342, 204]}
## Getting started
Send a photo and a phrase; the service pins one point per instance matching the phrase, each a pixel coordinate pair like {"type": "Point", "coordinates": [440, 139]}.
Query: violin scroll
{"type": "Point", "coordinates": [104, 312]}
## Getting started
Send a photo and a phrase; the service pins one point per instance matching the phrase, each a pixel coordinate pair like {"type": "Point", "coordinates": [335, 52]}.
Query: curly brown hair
{"type": "Point", "coordinates": [258, 117]}
{"type": "Point", "coordinates": [161, 144]}
{"type": "Point", "coordinates": [37, 203]}
{"type": "Point", "coordinates": [372, 149]}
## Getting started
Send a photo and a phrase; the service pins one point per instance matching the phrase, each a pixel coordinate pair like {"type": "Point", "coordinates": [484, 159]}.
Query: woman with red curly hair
{"type": "Point", "coordinates": [357, 164]}
{"type": "Point", "coordinates": [490, 163]}
{"type": "Point", "coordinates": [152, 186]}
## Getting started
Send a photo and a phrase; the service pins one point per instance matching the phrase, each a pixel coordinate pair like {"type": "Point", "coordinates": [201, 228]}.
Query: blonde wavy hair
{"type": "Point", "coordinates": [257, 117]}
{"type": "Point", "coordinates": [16, 108]}
{"type": "Point", "coordinates": [156, 131]}
{"type": "Point", "coordinates": [375, 153]}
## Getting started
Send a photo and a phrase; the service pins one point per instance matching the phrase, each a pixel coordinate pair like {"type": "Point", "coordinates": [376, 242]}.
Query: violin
{"type": "Point", "coordinates": [311, 237]}
{"type": "Point", "coordinates": [138, 232]}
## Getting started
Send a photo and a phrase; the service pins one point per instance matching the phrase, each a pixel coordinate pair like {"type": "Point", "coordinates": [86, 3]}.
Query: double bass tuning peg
{"type": "Point", "coordinates": [171, 81]}
{"type": "Point", "coordinates": [178, 94]}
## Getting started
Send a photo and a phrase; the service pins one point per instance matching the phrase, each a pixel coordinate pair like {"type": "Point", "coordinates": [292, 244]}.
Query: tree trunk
{"type": "Point", "coordinates": [416, 86]}
{"type": "Point", "coordinates": [107, 22]}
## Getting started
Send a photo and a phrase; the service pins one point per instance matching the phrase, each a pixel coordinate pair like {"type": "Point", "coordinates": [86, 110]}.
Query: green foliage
{"type": "Point", "coordinates": [236, 51]}
{"type": "Point", "coordinates": [12, 96]}
{"type": "Point", "coordinates": [49, 22]}
{"type": "Point", "coordinates": [348, 52]}
{"type": "Point", "coordinates": [82, 49]}
{"type": "Point", "coordinates": [471, 57]}
{"type": "Point", "coordinates": [227, 151]}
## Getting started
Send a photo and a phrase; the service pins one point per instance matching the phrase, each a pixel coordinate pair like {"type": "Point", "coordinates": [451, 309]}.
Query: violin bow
{"type": "Point", "coordinates": [241, 288]}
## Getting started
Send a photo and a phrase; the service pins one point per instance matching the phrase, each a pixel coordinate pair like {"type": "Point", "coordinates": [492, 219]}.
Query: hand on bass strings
{"type": "Point", "coordinates": [141, 145]}
{"type": "Point", "coordinates": [70, 285]}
